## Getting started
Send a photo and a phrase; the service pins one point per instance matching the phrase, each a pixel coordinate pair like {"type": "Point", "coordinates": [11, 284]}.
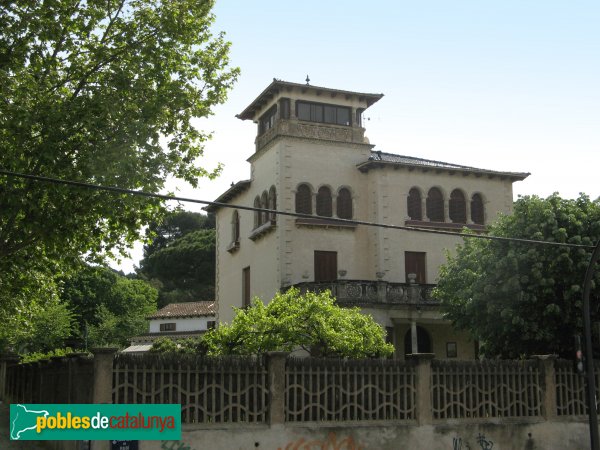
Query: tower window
{"type": "Point", "coordinates": [267, 120]}
{"type": "Point", "coordinates": [318, 112]}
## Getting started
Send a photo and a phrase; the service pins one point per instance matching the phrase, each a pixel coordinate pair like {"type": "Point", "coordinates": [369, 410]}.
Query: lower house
{"type": "Point", "coordinates": [175, 321]}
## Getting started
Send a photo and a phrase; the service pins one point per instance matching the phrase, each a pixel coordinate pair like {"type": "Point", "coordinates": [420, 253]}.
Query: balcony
{"type": "Point", "coordinates": [365, 293]}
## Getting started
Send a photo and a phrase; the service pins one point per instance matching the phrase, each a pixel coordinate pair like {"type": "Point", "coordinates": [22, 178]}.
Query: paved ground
{"type": "Point", "coordinates": [5, 442]}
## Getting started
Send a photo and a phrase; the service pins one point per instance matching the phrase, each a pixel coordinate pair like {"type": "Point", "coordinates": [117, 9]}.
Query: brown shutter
{"type": "Point", "coordinates": [325, 266]}
{"type": "Point", "coordinates": [246, 287]}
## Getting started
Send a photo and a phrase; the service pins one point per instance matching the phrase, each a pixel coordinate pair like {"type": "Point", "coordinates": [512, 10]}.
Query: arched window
{"type": "Point", "coordinates": [257, 214]}
{"type": "Point", "coordinates": [477, 211]}
{"type": "Point", "coordinates": [304, 199]}
{"type": "Point", "coordinates": [264, 203]}
{"type": "Point", "coordinates": [344, 204]}
{"type": "Point", "coordinates": [457, 207]}
{"type": "Point", "coordinates": [324, 207]}
{"type": "Point", "coordinates": [435, 205]}
{"type": "Point", "coordinates": [235, 227]}
{"type": "Point", "coordinates": [413, 204]}
{"type": "Point", "coordinates": [273, 202]}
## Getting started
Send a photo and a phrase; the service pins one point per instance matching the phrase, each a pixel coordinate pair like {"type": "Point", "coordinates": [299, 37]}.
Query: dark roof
{"type": "Point", "coordinates": [379, 159]}
{"type": "Point", "coordinates": [229, 194]}
{"type": "Point", "coordinates": [188, 309]}
{"type": "Point", "coordinates": [274, 88]}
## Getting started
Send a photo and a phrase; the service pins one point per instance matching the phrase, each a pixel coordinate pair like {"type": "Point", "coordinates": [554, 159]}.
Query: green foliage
{"type": "Point", "coordinates": [37, 326]}
{"type": "Point", "coordinates": [59, 352]}
{"type": "Point", "coordinates": [523, 299]}
{"type": "Point", "coordinates": [112, 307]}
{"type": "Point", "coordinates": [99, 92]}
{"type": "Point", "coordinates": [311, 321]}
{"type": "Point", "coordinates": [180, 260]}
{"type": "Point", "coordinates": [165, 345]}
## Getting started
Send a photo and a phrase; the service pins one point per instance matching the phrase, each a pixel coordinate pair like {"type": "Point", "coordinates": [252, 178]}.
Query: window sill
{"type": "Point", "coordinates": [445, 225]}
{"type": "Point", "coordinates": [262, 230]}
{"type": "Point", "coordinates": [324, 223]}
{"type": "Point", "coordinates": [233, 247]}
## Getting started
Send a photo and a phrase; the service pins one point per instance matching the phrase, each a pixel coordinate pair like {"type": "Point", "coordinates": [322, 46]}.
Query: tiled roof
{"type": "Point", "coordinates": [379, 158]}
{"type": "Point", "coordinates": [278, 85]}
{"type": "Point", "coordinates": [188, 309]}
{"type": "Point", "coordinates": [229, 194]}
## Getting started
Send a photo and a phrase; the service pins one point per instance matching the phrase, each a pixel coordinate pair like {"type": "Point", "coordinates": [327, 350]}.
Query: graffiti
{"type": "Point", "coordinates": [330, 443]}
{"type": "Point", "coordinates": [486, 444]}
{"type": "Point", "coordinates": [175, 445]}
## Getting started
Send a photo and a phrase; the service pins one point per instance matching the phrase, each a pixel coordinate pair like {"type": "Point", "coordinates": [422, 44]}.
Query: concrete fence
{"type": "Point", "coordinates": [275, 391]}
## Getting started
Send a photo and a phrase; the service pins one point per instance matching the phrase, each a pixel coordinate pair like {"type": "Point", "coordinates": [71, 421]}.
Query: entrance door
{"type": "Point", "coordinates": [325, 266]}
{"type": "Point", "coordinates": [414, 262]}
{"type": "Point", "coordinates": [423, 341]}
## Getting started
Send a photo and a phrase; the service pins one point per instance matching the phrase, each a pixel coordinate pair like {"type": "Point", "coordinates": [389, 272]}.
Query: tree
{"type": "Point", "coordinates": [110, 307]}
{"type": "Point", "coordinates": [180, 259]}
{"type": "Point", "coordinates": [102, 92]}
{"type": "Point", "coordinates": [311, 321]}
{"type": "Point", "coordinates": [522, 299]}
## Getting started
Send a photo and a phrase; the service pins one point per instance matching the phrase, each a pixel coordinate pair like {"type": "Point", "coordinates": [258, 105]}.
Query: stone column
{"type": "Point", "coordinates": [102, 384]}
{"type": "Point", "coordinates": [424, 413]}
{"type": "Point", "coordinates": [548, 385]}
{"type": "Point", "coordinates": [276, 380]}
{"type": "Point", "coordinates": [414, 337]}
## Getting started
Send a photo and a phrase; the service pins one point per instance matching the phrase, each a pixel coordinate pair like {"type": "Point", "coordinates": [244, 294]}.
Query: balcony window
{"type": "Point", "coordinates": [324, 207]}
{"type": "Point", "coordinates": [344, 204]}
{"type": "Point", "coordinates": [477, 211]}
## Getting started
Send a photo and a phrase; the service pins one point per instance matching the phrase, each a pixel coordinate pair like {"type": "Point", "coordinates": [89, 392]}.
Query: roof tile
{"type": "Point", "coordinates": [188, 309]}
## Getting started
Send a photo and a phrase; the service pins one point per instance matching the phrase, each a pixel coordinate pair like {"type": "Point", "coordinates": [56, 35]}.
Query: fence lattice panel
{"type": "Point", "coordinates": [570, 389]}
{"type": "Point", "coordinates": [320, 390]}
{"type": "Point", "coordinates": [210, 390]}
{"type": "Point", "coordinates": [474, 389]}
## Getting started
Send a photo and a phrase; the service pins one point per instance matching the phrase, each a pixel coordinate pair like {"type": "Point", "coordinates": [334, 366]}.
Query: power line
{"type": "Point", "coordinates": [284, 213]}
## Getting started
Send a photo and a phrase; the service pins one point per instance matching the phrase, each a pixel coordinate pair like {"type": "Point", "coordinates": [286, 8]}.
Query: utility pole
{"type": "Point", "coordinates": [589, 356]}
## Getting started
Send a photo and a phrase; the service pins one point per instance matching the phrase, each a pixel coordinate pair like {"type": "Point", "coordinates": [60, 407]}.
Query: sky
{"type": "Point", "coordinates": [501, 85]}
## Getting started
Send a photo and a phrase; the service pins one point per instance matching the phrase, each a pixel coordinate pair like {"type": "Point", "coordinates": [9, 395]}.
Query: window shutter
{"type": "Point", "coordinates": [435, 205]}
{"type": "Point", "coordinates": [304, 199]}
{"type": "Point", "coordinates": [477, 211]}
{"type": "Point", "coordinates": [344, 204]}
{"type": "Point", "coordinates": [457, 207]}
{"type": "Point", "coordinates": [414, 204]}
{"type": "Point", "coordinates": [324, 207]}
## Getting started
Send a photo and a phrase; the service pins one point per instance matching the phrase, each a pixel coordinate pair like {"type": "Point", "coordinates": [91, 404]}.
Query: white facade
{"type": "Point", "coordinates": [292, 152]}
{"type": "Point", "coordinates": [181, 324]}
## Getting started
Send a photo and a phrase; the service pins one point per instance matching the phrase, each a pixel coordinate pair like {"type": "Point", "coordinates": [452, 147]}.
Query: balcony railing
{"type": "Point", "coordinates": [361, 292]}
